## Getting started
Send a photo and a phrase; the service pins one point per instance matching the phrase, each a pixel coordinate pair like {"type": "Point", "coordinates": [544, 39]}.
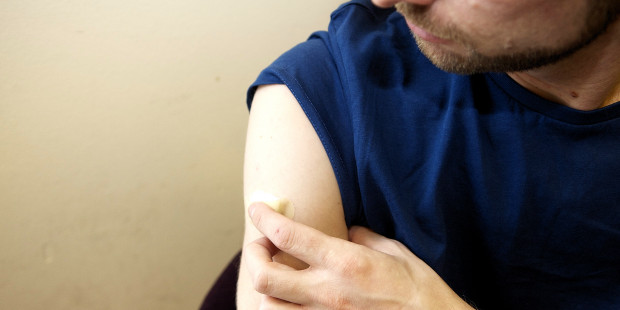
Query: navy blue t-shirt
{"type": "Point", "coordinates": [512, 199]}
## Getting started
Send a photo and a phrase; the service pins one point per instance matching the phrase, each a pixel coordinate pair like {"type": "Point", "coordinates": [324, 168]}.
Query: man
{"type": "Point", "coordinates": [499, 187]}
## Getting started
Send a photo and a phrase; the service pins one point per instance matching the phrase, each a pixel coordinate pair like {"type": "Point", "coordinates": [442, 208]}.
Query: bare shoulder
{"type": "Point", "coordinates": [285, 157]}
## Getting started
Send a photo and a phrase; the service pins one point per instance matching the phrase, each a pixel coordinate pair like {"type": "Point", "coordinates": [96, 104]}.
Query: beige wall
{"type": "Point", "coordinates": [121, 141]}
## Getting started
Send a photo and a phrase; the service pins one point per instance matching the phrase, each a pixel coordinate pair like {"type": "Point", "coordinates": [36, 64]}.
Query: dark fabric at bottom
{"type": "Point", "coordinates": [222, 294]}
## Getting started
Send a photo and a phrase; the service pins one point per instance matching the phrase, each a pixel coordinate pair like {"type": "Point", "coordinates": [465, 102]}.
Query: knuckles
{"type": "Point", "coordinates": [284, 238]}
{"type": "Point", "coordinates": [355, 265]}
{"type": "Point", "coordinates": [337, 301]}
{"type": "Point", "coordinates": [282, 235]}
{"type": "Point", "coordinates": [260, 279]}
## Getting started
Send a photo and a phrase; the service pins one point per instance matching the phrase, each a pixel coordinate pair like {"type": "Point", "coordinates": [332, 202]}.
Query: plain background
{"type": "Point", "coordinates": [122, 125]}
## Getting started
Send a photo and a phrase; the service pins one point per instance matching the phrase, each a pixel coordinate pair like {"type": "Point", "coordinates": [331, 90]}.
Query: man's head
{"type": "Point", "coordinates": [471, 36]}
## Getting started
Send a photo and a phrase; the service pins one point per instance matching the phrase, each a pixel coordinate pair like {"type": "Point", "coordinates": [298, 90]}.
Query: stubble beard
{"type": "Point", "coordinates": [601, 14]}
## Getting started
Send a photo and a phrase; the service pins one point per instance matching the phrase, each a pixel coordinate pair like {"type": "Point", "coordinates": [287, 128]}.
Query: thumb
{"type": "Point", "coordinates": [370, 239]}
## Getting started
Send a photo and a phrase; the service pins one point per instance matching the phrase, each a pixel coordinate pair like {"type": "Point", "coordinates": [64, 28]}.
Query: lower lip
{"type": "Point", "coordinates": [425, 35]}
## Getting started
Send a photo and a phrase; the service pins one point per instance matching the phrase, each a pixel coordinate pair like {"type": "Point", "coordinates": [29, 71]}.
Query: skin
{"type": "Point", "coordinates": [278, 126]}
{"type": "Point", "coordinates": [498, 36]}
{"type": "Point", "coordinates": [313, 261]}
{"type": "Point", "coordinates": [341, 275]}
{"type": "Point", "coordinates": [573, 62]}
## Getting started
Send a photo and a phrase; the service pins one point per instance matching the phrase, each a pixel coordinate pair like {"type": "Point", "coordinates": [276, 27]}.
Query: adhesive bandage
{"type": "Point", "coordinates": [280, 205]}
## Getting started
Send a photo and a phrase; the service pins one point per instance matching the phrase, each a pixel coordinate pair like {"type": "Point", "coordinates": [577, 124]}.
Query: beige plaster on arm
{"type": "Point", "coordinates": [280, 205]}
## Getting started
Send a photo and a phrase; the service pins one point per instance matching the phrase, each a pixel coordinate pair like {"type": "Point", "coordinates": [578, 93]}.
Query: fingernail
{"type": "Point", "coordinates": [251, 209]}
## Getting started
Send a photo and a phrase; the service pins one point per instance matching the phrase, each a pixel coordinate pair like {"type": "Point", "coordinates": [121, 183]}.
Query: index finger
{"type": "Point", "coordinates": [298, 240]}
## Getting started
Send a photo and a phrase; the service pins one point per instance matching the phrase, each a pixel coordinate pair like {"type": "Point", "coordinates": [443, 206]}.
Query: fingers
{"type": "Point", "coordinates": [268, 302]}
{"type": "Point", "coordinates": [301, 241]}
{"type": "Point", "coordinates": [368, 238]}
{"type": "Point", "coordinates": [272, 278]}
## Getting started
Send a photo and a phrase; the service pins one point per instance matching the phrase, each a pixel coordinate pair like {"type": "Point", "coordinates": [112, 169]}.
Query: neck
{"type": "Point", "coordinates": [587, 80]}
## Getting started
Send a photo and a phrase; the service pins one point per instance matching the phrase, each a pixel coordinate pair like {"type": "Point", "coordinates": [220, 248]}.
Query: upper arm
{"type": "Point", "coordinates": [285, 157]}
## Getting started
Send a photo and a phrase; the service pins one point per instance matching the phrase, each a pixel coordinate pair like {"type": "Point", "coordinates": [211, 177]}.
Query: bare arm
{"type": "Point", "coordinates": [285, 157]}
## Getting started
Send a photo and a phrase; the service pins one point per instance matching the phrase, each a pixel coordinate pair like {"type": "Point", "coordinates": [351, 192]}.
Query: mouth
{"type": "Point", "coordinates": [425, 35]}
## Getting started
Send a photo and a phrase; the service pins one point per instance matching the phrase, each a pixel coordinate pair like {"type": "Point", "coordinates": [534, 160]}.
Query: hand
{"type": "Point", "coordinates": [369, 272]}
